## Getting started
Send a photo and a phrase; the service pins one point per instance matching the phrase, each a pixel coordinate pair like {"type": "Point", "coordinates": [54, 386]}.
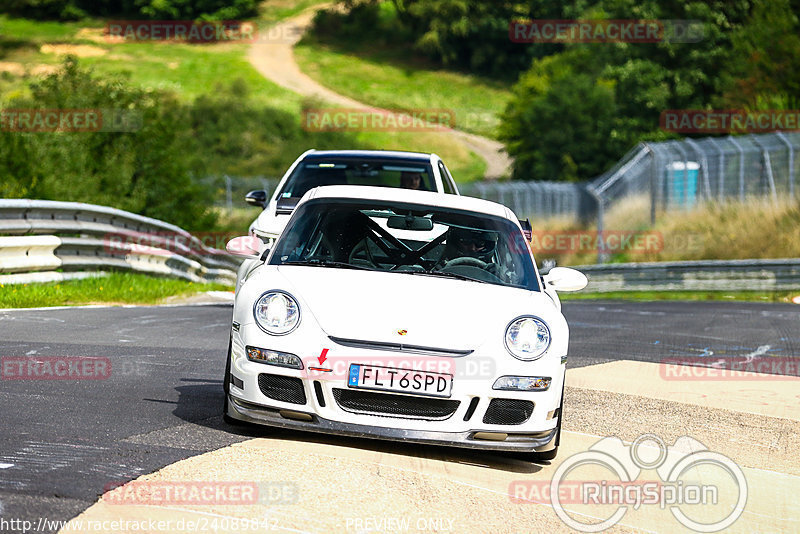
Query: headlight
{"type": "Point", "coordinates": [523, 383]}
{"type": "Point", "coordinates": [527, 338]}
{"type": "Point", "coordinates": [277, 313]}
{"type": "Point", "coordinates": [273, 357]}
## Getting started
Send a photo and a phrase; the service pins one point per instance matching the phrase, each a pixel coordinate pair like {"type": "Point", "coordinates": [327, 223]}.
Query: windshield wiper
{"type": "Point", "coordinates": [329, 263]}
{"type": "Point", "coordinates": [446, 274]}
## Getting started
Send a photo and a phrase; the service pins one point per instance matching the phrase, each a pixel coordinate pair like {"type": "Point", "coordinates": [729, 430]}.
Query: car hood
{"type": "Point", "coordinates": [434, 312]}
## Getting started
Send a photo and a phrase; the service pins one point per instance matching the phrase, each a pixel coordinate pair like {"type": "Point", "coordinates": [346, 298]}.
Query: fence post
{"type": "Point", "coordinates": [741, 166]}
{"type": "Point", "coordinates": [791, 162]}
{"type": "Point", "coordinates": [721, 184]}
{"type": "Point", "coordinates": [701, 155]}
{"type": "Point", "coordinates": [768, 166]}
{"type": "Point", "coordinates": [653, 180]}
{"type": "Point", "coordinates": [601, 248]}
{"type": "Point", "coordinates": [229, 194]}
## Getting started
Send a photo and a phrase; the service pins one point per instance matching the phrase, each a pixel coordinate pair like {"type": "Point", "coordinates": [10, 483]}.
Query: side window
{"type": "Point", "coordinates": [447, 182]}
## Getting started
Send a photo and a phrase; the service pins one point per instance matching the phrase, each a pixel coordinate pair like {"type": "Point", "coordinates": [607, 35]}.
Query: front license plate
{"type": "Point", "coordinates": [402, 380]}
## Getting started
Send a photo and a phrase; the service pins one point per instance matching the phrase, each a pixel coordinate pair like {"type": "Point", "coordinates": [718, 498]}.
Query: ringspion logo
{"type": "Point", "coordinates": [704, 490]}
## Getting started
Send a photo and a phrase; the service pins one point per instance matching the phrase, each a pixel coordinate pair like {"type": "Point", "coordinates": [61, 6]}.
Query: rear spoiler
{"type": "Point", "coordinates": [527, 229]}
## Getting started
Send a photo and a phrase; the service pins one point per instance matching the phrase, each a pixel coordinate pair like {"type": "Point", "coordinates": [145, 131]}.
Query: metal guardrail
{"type": "Point", "coordinates": [723, 275]}
{"type": "Point", "coordinates": [45, 240]}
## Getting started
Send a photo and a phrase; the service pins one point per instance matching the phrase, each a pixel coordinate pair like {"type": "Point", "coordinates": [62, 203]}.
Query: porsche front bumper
{"type": "Point", "coordinates": [475, 439]}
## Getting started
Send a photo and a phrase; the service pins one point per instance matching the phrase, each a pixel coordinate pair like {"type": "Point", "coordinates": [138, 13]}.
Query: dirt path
{"type": "Point", "coordinates": [275, 61]}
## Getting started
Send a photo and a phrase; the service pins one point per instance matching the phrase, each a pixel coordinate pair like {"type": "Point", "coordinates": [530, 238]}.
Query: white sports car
{"type": "Point", "coordinates": [315, 168]}
{"type": "Point", "coordinates": [399, 314]}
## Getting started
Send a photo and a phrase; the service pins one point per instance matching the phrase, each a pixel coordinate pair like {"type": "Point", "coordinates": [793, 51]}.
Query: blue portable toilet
{"type": "Point", "coordinates": [682, 183]}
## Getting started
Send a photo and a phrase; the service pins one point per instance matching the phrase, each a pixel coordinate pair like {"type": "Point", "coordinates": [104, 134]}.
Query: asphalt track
{"type": "Point", "coordinates": [65, 442]}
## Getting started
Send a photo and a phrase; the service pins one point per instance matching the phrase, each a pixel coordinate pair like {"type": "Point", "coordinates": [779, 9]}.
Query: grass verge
{"type": "Point", "coordinates": [190, 70]}
{"type": "Point", "coordinates": [116, 288]}
{"type": "Point", "coordinates": [380, 78]}
{"type": "Point", "coordinates": [648, 296]}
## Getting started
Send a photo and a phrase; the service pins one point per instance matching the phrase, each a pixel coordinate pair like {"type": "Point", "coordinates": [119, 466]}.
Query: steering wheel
{"type": "Point", "coordinates": [466, 260]}
{"type": "Point", "coordinates": [362, 246]}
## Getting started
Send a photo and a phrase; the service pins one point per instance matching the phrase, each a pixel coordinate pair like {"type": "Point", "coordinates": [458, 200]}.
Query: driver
{"type": "Point", "coordinates": [470, 243]}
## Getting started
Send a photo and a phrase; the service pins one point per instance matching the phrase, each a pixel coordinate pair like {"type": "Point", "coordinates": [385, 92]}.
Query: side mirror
{"type": "Point", "coordinates": [248, 246]}
{"type": "Point", "coordinates": [527, 229]}
{"type": "Point", "coordinates": [565, 279]}
{"type": "Point", "coordinates": [256, 198]}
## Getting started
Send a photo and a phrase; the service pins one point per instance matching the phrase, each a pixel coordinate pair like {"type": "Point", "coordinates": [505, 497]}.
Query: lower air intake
{"type": "Point", "coordinates": [387, 405]}
{"type": "Point", "coordinates": [508, 412]}
{"type": "Point", "coordinates": [282, 388]}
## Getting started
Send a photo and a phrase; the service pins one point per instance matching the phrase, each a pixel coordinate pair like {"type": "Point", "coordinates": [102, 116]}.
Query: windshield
{"type": "Point", "coordinates": [386, 172]}
{"type": "Point", "coordinates": [407, 239]}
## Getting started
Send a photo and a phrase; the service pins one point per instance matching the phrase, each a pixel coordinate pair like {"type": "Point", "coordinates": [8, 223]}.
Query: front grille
{"type": "Point", "coordinates": [508, 412]}
{"type": "Point", "coordinates": [388, 405]}
{"type": "Point", "coordinates": [282, 388]}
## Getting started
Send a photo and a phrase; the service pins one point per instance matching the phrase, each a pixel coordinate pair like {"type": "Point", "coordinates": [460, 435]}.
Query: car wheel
{"type": "Point", "coordinates": [226, 387]}
{"type": "Point", "coordinates": [551, 455]}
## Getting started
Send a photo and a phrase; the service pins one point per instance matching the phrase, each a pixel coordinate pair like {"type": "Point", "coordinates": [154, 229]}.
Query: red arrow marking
{"type": "Point", "coordinates": [322, 357]}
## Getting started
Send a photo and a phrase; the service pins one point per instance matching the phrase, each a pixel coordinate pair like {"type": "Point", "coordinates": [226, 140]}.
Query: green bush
{"type": "Point", "coordinates": [144, 171]}
{"type": "Point", "coordinates": [149, 170]}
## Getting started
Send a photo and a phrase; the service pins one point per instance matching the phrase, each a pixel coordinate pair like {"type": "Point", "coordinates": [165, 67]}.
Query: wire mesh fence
{"type": "Point", "coordinates": [681, 174]}
{"type": "Point", "coordinates": [676, 175]}
{"type": "Point", "coordinates": [537, 200]}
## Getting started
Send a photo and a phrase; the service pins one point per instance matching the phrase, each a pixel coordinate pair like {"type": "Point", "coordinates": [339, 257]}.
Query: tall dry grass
{"type": "Point", "coordinates": [756, 228]}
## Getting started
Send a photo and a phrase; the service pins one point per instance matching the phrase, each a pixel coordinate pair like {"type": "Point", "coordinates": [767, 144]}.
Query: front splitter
{"type": "Point", "coordinates": [520, 442]}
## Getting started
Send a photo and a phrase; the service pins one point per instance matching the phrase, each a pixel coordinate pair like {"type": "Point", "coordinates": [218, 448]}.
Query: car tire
{"type": "Point", "coordinates": [226, 387]}
{"type": "Point", "coordinates": [547, 456]}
